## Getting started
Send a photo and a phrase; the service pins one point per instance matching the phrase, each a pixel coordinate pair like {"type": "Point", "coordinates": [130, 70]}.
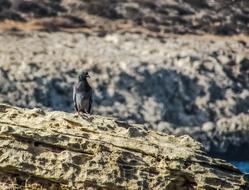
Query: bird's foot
{"type": "Point", "coordinates": [84, 115]}
{"type": "Point", "coordinates": [76, 114]}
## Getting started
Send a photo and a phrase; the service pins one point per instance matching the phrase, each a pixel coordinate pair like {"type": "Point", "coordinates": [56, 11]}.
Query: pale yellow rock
{"type": "Point", "coordinates": [57, 150]}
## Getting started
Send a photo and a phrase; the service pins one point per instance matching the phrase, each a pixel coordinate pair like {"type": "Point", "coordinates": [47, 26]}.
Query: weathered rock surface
{"type": "Point", "coordinates": [178, 79]}
{"type": "Point", "coordinates": [57, 150]}
{"type": "Point", "coordinates": [160, 16]}
{"type": "Point", "coordinates": [174, 80]}
{"type": "Point", "coordinates": [227, 138]}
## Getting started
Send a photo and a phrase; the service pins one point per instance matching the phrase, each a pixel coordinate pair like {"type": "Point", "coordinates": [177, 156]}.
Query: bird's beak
{"type": "Point", "coordinates": [88, 76]}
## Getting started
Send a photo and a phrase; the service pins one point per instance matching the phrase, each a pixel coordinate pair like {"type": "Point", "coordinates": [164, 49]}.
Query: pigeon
{"type": "Point", "coordinates": [82, 95]}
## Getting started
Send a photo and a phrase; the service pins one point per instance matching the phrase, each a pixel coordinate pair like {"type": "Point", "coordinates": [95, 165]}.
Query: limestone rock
{"type": "Point", "coordinates": [227, 138]}
{"type": "Point", "coordinates": [161, 16]}
{"type": "Point", "coordinates": [57, 150]}
{"type": "Point", "coordinates": [148, 86]}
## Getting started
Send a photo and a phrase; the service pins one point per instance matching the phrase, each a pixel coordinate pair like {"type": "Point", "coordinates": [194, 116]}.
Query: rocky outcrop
{"type": "Point", "coordinates": [227, 138]}
{"type": "Point", "coordinates": [172, 81]}
{"type": "Point", "coordinates": [57, 150]}
{"type": "Point", "coordinates": [189, 16]}
{"type": "Point", "coordinates": [188, 81]}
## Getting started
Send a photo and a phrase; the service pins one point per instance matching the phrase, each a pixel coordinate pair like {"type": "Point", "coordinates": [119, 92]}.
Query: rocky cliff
{"type": "Point", "coordinates": [167, 83]}
{"type": "Point", "coordinates": [57, 150]}
{"type": "Point", "coordinates": [223, 17]}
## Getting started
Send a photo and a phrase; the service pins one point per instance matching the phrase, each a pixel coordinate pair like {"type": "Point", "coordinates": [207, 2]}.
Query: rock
{"type": "Point", "coordinates": [224, 59]}
{"type": "Point", "coordinates": [164, 127]}
{"type": "Point", "coordinates": [227, 138]}
{"type": "Point", "coordinates": [112, 38]}
{"type": "Point", "coordinates": [54, 150]}
{"type": "Point", "coordinates": [178, 17]}
{"type": "Point", "coordinates": [39, 70]}
{"type": "Point", "coordinates": [208, 126]}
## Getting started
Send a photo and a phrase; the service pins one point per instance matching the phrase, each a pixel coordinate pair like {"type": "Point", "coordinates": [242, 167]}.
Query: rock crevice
{"type": "Point", "coordinates": [61, 151]}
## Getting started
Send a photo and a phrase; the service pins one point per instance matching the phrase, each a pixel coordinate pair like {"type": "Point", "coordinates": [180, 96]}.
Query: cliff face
{"type": "Point", "coordinates": [57, 150]}
{"type": "Point", "coordinates": [160, 16]}
{"type": "Point", "coordinates": [180, 80]}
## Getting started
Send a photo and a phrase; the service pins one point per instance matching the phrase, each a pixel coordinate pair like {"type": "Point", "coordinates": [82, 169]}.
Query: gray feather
{"type": "Point", "coordinates": [74, 98]}
{"type": "Point", "coordinates": [82, 97]}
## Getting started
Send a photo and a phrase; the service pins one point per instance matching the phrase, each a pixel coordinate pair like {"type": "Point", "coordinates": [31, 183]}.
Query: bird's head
{"type": "Point", "coordinates": [83, 76]}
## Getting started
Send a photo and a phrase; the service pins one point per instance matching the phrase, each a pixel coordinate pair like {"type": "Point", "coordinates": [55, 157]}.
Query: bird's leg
{"type": "Point", "coordinates": [81, 114]}
{"type": "Point", "coordinates": [77, 113]}
{"type": "Point", "coordinates": [84, 115]}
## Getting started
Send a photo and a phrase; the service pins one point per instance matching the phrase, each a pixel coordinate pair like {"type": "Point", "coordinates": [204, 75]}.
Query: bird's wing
{"type": "Point", "coordinates": [90, 104]}
{"type": "Point", "coordinates": [74, 98]}
{"type": "Point", "coordinates": [88, 96]}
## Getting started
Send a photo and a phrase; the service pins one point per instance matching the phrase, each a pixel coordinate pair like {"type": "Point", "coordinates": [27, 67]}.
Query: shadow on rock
{"type": "Point", "coordinates": [162, 95]}
{"type": "Point", "coordinates": [55, 93]}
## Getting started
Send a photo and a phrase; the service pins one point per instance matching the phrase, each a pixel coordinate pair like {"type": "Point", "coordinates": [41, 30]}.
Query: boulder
{"type": "Point", "coordinates": [59, 150]}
